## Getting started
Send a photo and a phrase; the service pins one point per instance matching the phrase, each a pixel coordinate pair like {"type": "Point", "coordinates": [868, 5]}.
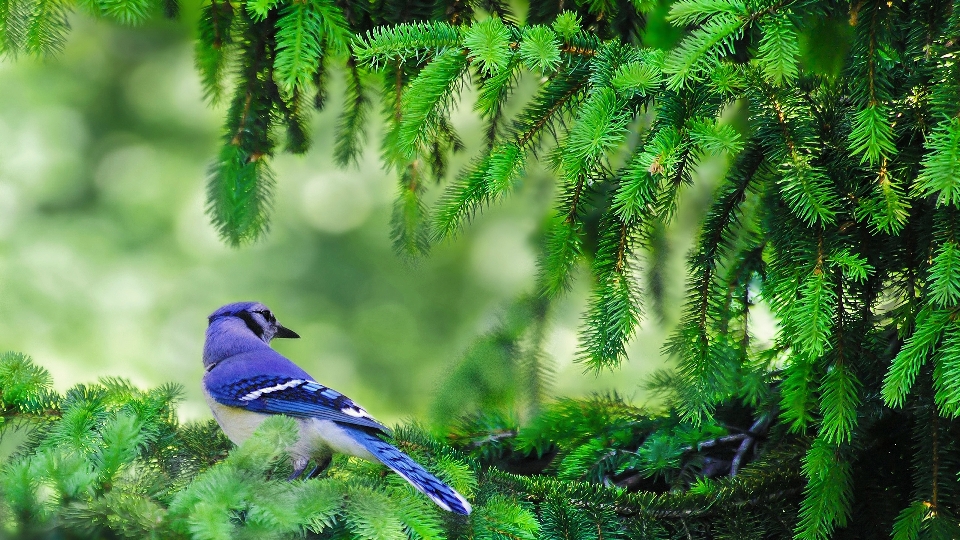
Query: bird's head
{"type": "Point", "coordinates": [257, 318]}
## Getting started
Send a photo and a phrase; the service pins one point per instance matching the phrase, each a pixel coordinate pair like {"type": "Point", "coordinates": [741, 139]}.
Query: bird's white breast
{"type": "Point", "coordinates": [238, 424]}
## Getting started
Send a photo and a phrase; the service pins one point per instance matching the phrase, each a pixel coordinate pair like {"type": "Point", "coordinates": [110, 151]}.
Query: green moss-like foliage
{"type": "Point", "coordinates": [108, 460]}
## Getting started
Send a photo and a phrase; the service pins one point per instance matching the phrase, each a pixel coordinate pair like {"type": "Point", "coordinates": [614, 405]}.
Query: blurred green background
{"type": "Point", "coordinates": [108, 265]}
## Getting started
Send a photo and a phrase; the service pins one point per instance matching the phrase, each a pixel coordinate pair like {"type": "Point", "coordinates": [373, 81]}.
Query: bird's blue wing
{"type": "Point", "coordinates": [300, 397]}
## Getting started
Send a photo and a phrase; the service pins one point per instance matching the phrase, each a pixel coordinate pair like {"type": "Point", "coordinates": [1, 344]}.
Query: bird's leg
{"type": "Point", "coordinates": [321, 465]}
{"type": "Point", "coordinates": [312, 472]}
{"type": "Point", "coordinates": [299, 465]}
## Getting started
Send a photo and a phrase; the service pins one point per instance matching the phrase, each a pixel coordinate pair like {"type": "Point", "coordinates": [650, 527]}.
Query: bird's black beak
{"type": "Point", "coordinates": [283, 332]}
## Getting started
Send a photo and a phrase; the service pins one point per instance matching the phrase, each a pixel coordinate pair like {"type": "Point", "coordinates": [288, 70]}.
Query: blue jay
{"type": "Point", "coordinates": [246, 381]}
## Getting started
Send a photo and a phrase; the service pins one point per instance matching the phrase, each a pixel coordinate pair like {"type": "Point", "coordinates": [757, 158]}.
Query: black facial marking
{"type": "Point", "coordinates": [251, 324]}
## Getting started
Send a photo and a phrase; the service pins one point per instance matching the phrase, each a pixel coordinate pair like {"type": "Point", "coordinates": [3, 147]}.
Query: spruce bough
{"type": "Point", "coordinates": [107, 460]}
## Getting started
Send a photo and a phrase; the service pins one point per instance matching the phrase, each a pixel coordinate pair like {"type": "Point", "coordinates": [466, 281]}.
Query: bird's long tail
{"type": "Point", "coordinates": [445, 496]}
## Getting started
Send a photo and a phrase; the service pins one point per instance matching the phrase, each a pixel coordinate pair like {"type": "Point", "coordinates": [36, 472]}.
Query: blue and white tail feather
{"type": "Point", "coordinates": [411, 471]}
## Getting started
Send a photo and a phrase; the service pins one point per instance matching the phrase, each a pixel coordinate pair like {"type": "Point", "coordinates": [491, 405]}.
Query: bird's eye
{"type": "Point", "coordinates": [266, 315]}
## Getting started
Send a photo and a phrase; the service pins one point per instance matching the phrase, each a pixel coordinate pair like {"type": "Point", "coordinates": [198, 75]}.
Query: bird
{"type": "Point", "coordinates": [246, 381]}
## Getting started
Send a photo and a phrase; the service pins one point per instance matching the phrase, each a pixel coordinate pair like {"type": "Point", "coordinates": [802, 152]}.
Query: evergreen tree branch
{"type": "Point", "coordinates": [241, 182]}
{"type": "Point", "coordinates": [212, 46]}
{"type": "Point", "coordinates": [703, 367]}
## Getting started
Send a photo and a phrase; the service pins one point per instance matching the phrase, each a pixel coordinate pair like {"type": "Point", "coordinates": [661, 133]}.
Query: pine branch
{"type": "Point", "coordinates": [703, 367]}
{"type": "Point", "coordinates": [131, 12]}
{"type": "Point", "coordinates": [827, 497]}
{"type": "Point", "coordinates": [803, 184]}
{"type": "Point", "coordinates": [39, 27]}
{"type": "Point", "coordinates": [489, 44]}
{"type": "Point", "coordinates": [493, 93]}
{"type": "Point", "coordinates": [872, 134]}
{"type": "Point", "coordinates": [613, 311]}
{"type": "Point", "coordinates": [701, 50]}
{"type": "Point", "coordinates": [299, 39]}
{"type": "Point", "coordinates": [888, 209]}
{"type": "Point", "coordinates": [416, 41]}
{"type": "Point", "coordinates": [779, 49]}
{"type": "Point", "coordinates": [920, 345]}
{"type": "Point", "coordinates": [241, 182]}
{"type": "Point", "coordinates": [411, 231]}
{"type": "Point", "coordinates": [941, 169]}
{"type": "Point", "coordinates": [212, 46]}
{"type": "Point", "coordinates": [490, 176]}
{"type": "Point", "coordinates": [427, 100]}
{"type": "Point", "coordinates": [351, 128]}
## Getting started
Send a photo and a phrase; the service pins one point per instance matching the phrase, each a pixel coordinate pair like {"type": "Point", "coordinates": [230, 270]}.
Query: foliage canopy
{"type": "Point", "coordinates": [839, 209]}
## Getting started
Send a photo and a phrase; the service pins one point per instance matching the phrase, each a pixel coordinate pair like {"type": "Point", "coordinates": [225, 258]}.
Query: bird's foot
{"type": "Point", "coordinates": [319, 467]}
{"type": "Point", "coordinates": [299, 468]}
